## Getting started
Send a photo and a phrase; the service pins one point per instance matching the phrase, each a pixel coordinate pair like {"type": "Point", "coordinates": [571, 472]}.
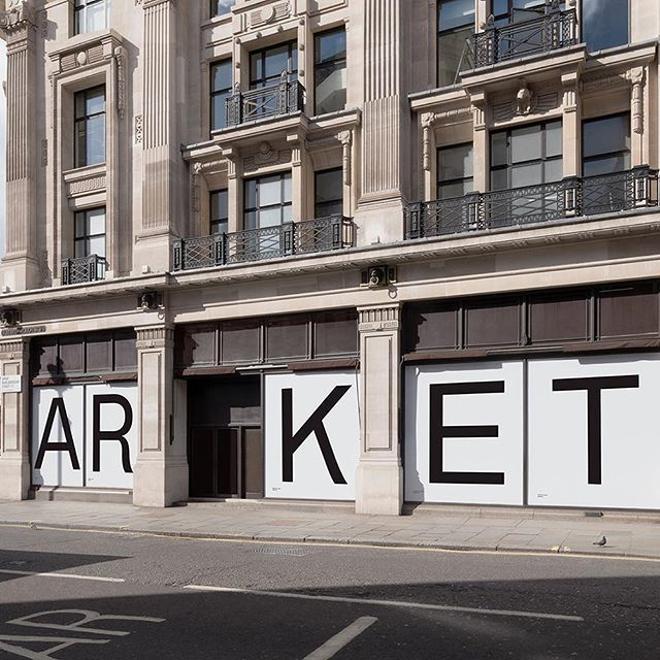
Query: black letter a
{"type": "Point", "coordinates": [57, 406]}
{"type": "Point", "coordinates": [314, 424]}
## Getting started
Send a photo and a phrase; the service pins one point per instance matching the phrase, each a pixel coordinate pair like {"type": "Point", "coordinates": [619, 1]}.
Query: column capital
{"type": "Point", "coordinates": [376, 318]}
{"type": "Point", "coordinates": [18, 16]}
{"type": "Point", "coordinates": [154, 336]}
{"type": "Point", "coordinates": [13, 349]}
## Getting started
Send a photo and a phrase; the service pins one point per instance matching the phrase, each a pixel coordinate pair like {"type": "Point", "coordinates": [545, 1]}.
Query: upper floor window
{"type": "Point", "coordinates": [221, 82]}
{"type": "Point", "coordinates": [330, 71]}
{"type": "Point", "coordinates": [221, 7]}
{"type": "Point", "coordinates": [606, 145]}
{"type": "Point", "coordinates": [605, 23]}
{"type": "Point", "coordinates": [267, 65]}
{"type": "Point", "coordinates": [328, 193]}
{"type": "Point", "coordinates": [89, 233]}
{"type": "Point", "coordinates": [219, 211]}
{"type": "Point", "coordinates": [91, 15]}
{"type": "Point", "coordinates": [455, 171]}
{"type": "Point", "coordinates": [517, 11]}
{"type": "Point", "coordinates": [267, 201]}
{"type": "Point", "coordinates": [455, 26]}
{"type": "Point", "coordinates": [89, 127]}
{"type": "Point", "coordinates": [526, 156]}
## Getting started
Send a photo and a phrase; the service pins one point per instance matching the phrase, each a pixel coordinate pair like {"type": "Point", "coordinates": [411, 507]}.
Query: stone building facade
{"type": "Point", "coordinates": [379, 251]}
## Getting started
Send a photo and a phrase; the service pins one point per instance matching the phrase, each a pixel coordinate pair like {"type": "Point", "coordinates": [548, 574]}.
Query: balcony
{"type": "Point", "coordinates": [312, 236]}
{"type": "Point", "coordinates": [285, 98]}
{"type": "Point", "coordinates": [83, 269]}
{"type": "Point", "coordinates": [518, 207]}
{"type": "Point", "coordinates": [555, 29]}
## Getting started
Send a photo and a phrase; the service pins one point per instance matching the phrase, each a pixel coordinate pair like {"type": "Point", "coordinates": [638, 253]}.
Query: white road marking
{"type": "Point", "coordinates": [341, 639]}
{"type": "Point", "coordinates": [392, 603]}
{"type": "Point", "coordinates": [53, 574]}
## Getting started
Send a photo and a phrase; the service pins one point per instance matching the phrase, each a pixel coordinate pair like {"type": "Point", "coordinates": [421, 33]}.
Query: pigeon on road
{"type": "Point", "coordinates": [602, 541]}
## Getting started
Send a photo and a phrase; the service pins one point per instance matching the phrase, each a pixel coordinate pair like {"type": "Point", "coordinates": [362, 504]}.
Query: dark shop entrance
{"type": "Point", "coordinates": [225, 441]}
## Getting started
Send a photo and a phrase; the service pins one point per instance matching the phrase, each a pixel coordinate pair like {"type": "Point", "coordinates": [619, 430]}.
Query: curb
{"type": "Point", "coordinates": [329, 540]}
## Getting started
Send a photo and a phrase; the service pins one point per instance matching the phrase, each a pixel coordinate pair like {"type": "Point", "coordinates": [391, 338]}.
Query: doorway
{"type": "Point", "coordinates": [226, 462]}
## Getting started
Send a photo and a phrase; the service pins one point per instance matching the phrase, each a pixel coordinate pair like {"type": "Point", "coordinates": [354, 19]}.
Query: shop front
{"type": "Point", "coordinates": [542, 400]}
{"type": "Point", "coordinates": [272, 406]}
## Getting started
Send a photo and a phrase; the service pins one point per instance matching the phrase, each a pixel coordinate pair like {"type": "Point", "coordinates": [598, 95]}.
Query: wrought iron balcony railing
{"type": "Point", "coordinates": [320, 235]}
{"type": "Point", "coordinates": [286, 97]}
{"type": "Point", "coordinates": [83, 269]}
{"type": "Point", "coordinates": [517, 207]}
{"type": "Point", "coordinates": [555, 29]}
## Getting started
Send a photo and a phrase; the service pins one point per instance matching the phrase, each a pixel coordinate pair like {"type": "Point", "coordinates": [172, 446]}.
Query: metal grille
{"type": "Point", "coordinates": [608, 193]}
{"type": "Point", "coordinates": [319, 235]}
{"type": "Point", "coordinates": [83, 269]}
{"type": "Point", "coordinates": [556, 29]}
{"type": "Point", "coordinates": [281, 99]}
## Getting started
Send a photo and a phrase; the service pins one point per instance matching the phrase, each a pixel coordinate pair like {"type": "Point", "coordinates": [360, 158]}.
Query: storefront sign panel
{"type": "Point", "coordinates": [464, 433]}
{"type": "Point", "coordinates": [594, 432]}
{"type": "Point", "coordinates": [312, 435]}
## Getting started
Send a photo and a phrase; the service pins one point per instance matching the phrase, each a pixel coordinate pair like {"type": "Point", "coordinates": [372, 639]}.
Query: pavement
{"type": "Point", "coordinates": [448, 528]}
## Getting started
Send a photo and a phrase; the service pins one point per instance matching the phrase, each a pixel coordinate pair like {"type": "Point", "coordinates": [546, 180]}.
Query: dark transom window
{"type": "Point", "coordinates": [526, 156]}
{"type": "Point", "coordinates": [330, 71]}
{"type": "Point", "coordinates": [90, 127]}
{"type": "Point", "coordinates": [267, 201]}
{"type": "Point", "coordinates": [328, 193]}
{"type": "Point", "coordinates": [89, 233]}
{"type": "Point", "coordinates": [219, 212]}
{"type": "Point", "coordinates": [221, 88]}
{"type": "Point", "coordinates": [517, 11]}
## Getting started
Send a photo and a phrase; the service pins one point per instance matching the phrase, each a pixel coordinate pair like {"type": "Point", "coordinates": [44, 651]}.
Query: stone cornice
{"type": "Point", "coordinates": [354, 259]}
{"type": "Point", "coordinates": [18, 16]}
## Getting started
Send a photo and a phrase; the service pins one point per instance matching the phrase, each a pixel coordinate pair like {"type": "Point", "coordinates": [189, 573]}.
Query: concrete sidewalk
{"type": "Point", "coordinates": [455, 528]}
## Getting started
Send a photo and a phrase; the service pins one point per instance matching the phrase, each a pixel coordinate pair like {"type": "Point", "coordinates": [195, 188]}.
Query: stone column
{"type": "Point", "coordinates": [234, 190]}
{"type": "Point", "coordinates": [379, 475]}
{"type": "Point", "coordinates": [571, 126]}
{"type": "Point", "coordinates": [480, 146]}
{"type": "Point", "coordinates": [161, 472]}
{"type": "Point", "coordinates": [639, 148]}
{"type": "Point", "coordinates": [161, 152]}
{"type": "Point", "coordinates": [14, 423]}
{"type": "Point", "coordinates": [385, 124]}
{"type": "Point", "coordinates": [429, 158]}
{"type": "Point", "coordinates": [20, 268]}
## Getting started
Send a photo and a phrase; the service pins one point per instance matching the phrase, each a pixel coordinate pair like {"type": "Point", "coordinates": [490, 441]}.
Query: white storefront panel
{"type": "Point", "coordinates": [464, 433]}
{"type": "Point", "coordinates": [312, 435]}
{"type": "Point", "coordinates": [84, 435]}
{"type": "Point", "coordinates": [594, 431]}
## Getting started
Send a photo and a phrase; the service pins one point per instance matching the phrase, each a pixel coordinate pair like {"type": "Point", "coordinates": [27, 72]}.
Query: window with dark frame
{"type": "Point", "coordinates": [606, 144]}
{"type": "Point", "coordinates": [221, 7]}
{"type": "Point", "coordinates": [219, 211]}
{"type": "Point", "coordinates": [455, 25]}
{"type": "Point", "coordinates": [89, 127]}
{"type": "Point", "coordinates": [455, 171]}
{"type": "Point", "coordinates": [517, 11]}
{"type": "Point", "coordinates": [90, 15]}
{"type": "Point", "coordinates": [605, 23]}
{"type": "Point", "coordinates": [328, 193]}
{"type": "Point", "coordinates": [89, 233]}
{"type": "Point", "coordinates": [267, 201]}
{"type": "Point", "coordinates": [267, 65]}
{"type": "Point", "coordinates": [221, 90]}
{"type": "Point", "coordinates": [330, 71]}
{"type": "Point", "coordinates": [526, 156]}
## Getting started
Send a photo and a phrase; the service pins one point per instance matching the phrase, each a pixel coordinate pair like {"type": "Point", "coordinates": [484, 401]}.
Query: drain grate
{"type": "Point", "coordinates": [282, 551]}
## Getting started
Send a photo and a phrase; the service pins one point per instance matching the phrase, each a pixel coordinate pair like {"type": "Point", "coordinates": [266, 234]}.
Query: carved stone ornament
{"type": "Point", "coordinates": [17, 16]}
{"type": "Point", "coordinates": [270, 14]}
{"type": "Point", "coordinates": [266, 155]}
{"type": "Point", "coordinates": [525, 101]}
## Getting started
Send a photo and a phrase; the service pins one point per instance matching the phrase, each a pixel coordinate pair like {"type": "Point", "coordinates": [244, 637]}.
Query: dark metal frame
{"type": "Point", "coordinates": [517, 207]}
{"type": "Point", "coordinates": [330, 64]}
{"type": "Point", "coordinates": [85, 269]}
{"type": "Point", "coordinates": [218, 92]}
{"type": "Point", "coordinates": [213, 222]}
{"type": "Point", "coordinates": [317, 212]}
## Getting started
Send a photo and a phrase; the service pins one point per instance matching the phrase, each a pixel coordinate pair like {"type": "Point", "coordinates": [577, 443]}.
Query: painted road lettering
{"type": "Point", "coordinates": [43, 620]}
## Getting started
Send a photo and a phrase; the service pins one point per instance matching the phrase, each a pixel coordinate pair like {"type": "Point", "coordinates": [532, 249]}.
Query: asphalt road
{"type": "Point", "coordinates": [188, 599]}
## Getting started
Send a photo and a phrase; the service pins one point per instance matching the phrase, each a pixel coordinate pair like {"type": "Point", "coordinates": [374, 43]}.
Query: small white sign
{"type": "Point", "coordinates": [9, 384]}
